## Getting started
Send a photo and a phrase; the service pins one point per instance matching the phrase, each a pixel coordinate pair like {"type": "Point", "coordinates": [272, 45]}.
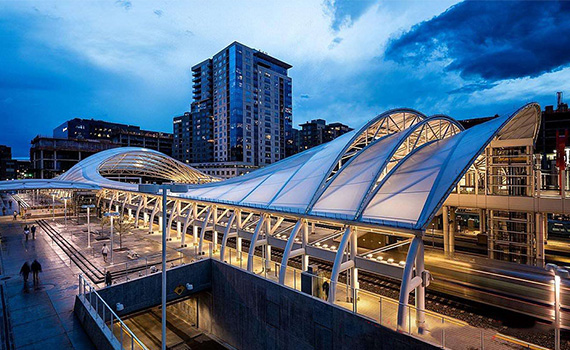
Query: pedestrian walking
{"type": "Point", "coordinates": [15, 214]}
{"type": "Point", "coordinates": [108, 278]}
{"type": "Point", "coordinates": [36, 269]}
{"type": "Point", "coordinates": [26, 232]}
{"type": "Point", "coordinates": [3, 211]}
{"type": "Point", "coordinates": [33, 229]}
{"type": "Point", "coordinates": [105, 252]}
{"type": "Point", "coordinates": [25, 272]}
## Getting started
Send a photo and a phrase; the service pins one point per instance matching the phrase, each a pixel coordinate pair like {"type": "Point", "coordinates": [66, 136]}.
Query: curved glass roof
{"type": "Point", "coordinates": [395, 171]}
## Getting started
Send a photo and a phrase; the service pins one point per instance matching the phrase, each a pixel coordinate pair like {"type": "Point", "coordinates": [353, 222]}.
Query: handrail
{"type": "Point", "coordinates": [84, 282]}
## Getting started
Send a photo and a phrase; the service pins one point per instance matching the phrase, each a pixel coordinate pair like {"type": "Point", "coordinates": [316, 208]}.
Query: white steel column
{"type": "Point", "coordinates": [287, 252]}
{"type": "Point", "coordinates": [339, 265]}
{"type": "Point", "coordinates": [173, 213]}
{"type": "Point", "coordinates": [142, 204]}
{"type": "Point", "coordinates": [238, 238]}
{"type": "Point", "coordinates": [353, 253]}
{"type": "Point", "coordinates": [418, 280]}
{"type": "Point", "coordinates": [203, 231]}
{"type": "Point", "coordinates": [215, 231]}
{"type": "Point", "coordinates": [253, 243]}
{"type": "Point", "coordinates": [227, 234]}
{"type": "Point", "coordinates": [153, 213]}
{"type": "Point", "coordinates": [305, 242]}
{"type": "Point", "coordinates": [267, 250]}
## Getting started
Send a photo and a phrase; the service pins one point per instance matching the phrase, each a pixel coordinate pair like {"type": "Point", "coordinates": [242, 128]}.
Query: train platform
{"type": "Point", "coordinates": [137, 253]}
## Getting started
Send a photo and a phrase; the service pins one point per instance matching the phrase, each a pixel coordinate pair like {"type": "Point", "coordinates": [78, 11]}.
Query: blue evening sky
{"type": "Point", "coordinates": [129, 61]}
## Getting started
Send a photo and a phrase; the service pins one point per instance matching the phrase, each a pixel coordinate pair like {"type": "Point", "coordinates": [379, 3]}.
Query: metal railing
{"type": "Point", "coordinates": [428, 326]}
{"type": "Point", "coordinates": [106, 318]}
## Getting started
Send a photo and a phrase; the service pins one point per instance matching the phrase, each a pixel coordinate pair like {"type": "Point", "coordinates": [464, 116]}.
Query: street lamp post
{"type": "Point", "coordinates": [112, 214]}
{"type": "Point", "coordinates": [88, 207]}
{"type": "Point", "coordinates": [53, 194]}
{"type": "Point", "coordinates": [163, 189]}
{"type": "Point", "coordinates": [557, 273]}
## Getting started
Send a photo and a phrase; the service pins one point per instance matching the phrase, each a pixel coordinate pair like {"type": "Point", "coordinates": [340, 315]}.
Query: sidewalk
{"type": "Point", "coordinates": [42, 317]}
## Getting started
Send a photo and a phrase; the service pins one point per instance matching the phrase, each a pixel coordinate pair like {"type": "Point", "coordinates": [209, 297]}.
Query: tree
{"type": "Point", "coordinates": [121, 225]}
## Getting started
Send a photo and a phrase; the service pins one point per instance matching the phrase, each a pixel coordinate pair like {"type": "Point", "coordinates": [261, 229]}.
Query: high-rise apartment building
{"type": "Point", "coordinates": [241, 111]}
{"type": "Point", "coordinates": [317, 131]}
{"type": "Point", "coordinates": [182, 137]}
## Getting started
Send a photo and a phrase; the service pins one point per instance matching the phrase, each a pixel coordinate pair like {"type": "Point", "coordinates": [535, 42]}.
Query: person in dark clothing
{"type": "Point", "coordinates": [26, 232]}
{"type": "Point", "coordinates": [33, 229]}
{"type": "Point", "coordinates": [108, 278]}
{"type": "Point", "coordinates": [25, 272]}
{"type": "Point", "coordinates": [3, 211]}
{"type": "Point", "coordinates": [36, 269]}
{"type": "Point", "coordinates": [326, 290]}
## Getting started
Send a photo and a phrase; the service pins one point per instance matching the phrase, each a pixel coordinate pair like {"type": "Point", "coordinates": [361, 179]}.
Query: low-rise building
{"type": "Point", "coordinates": [51, 157]}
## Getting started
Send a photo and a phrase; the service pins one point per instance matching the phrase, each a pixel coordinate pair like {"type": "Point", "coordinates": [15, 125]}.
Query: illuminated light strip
{"type": "Point", "coordinates": [518, 342]}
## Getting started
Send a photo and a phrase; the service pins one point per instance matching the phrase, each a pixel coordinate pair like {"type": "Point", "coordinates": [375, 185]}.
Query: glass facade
{"type": "Point", "coordinates": [242, 108]}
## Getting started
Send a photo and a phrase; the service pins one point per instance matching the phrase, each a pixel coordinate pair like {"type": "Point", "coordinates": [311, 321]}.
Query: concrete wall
{"type": "Point", "coordinates": [250, 312]}
{"type": "Point", "coordinates": [145, 292]}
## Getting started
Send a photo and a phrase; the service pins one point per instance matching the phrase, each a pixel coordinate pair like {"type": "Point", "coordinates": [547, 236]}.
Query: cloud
{"type": "Point", "coordinates": [491, 40]}
{"type": "Point", "coordinates": [473, 87]}
{"type": "Point", "coordinates": [124, 4]}
{"type": "Point", "coordinates": [335, 42]}
{"type": "Point", "coordinates": [346, 12]}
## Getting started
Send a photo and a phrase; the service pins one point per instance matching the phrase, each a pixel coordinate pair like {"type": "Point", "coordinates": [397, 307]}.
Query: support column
{"type": "Point", "coordinates": [203, 231]}
{"type": "Point", "coordinates": [239, 224]}
{"type": "Point", "coordinates": [354, 270]}
{"type": "Point", "coordinates": [452, 228]}
{"type": "Point", "coordinates": [482, 221]}
{"type": "Point", "coordinates": [445, 217]}
{"type": "Point", "coordinates": [267, 257]}
{"type": "Point", "coordinates": [142, 205]}
{"type": "Point", "coordinates": [228, 233]}
{"type": "Point", "coordinates": [178, 229]}
{"type": "Point", "coordinates": [491, 240]}
{"type": "Point", "coordinates": [305, 242]}
{"type": "Point", "coordinates": [160, 224]}
{"type": "Point", "coordinates": [540, 238]}
{"type": "Point", "coordinates": [195, 234]}
{"type": "Point", "coordinates": [152, 215]}
{"type": "Point", "coordinates": [253, 243]}
{"type": "Point", "coordinates": [215, 233]}
{"type": "Point", "coordinates": [413, 279]}
{"type": "Point", "coordinates": [338, 265]}
{"type": "Point", "coordinates": [289, 248]}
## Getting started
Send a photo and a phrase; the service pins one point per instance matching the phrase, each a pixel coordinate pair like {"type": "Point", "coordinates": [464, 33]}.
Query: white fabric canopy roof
{"type": "Point", "coordinates": [395, 171]}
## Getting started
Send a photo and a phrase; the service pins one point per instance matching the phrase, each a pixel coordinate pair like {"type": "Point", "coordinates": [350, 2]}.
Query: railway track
{"type": "Point", "coordinates": [87, 267]}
